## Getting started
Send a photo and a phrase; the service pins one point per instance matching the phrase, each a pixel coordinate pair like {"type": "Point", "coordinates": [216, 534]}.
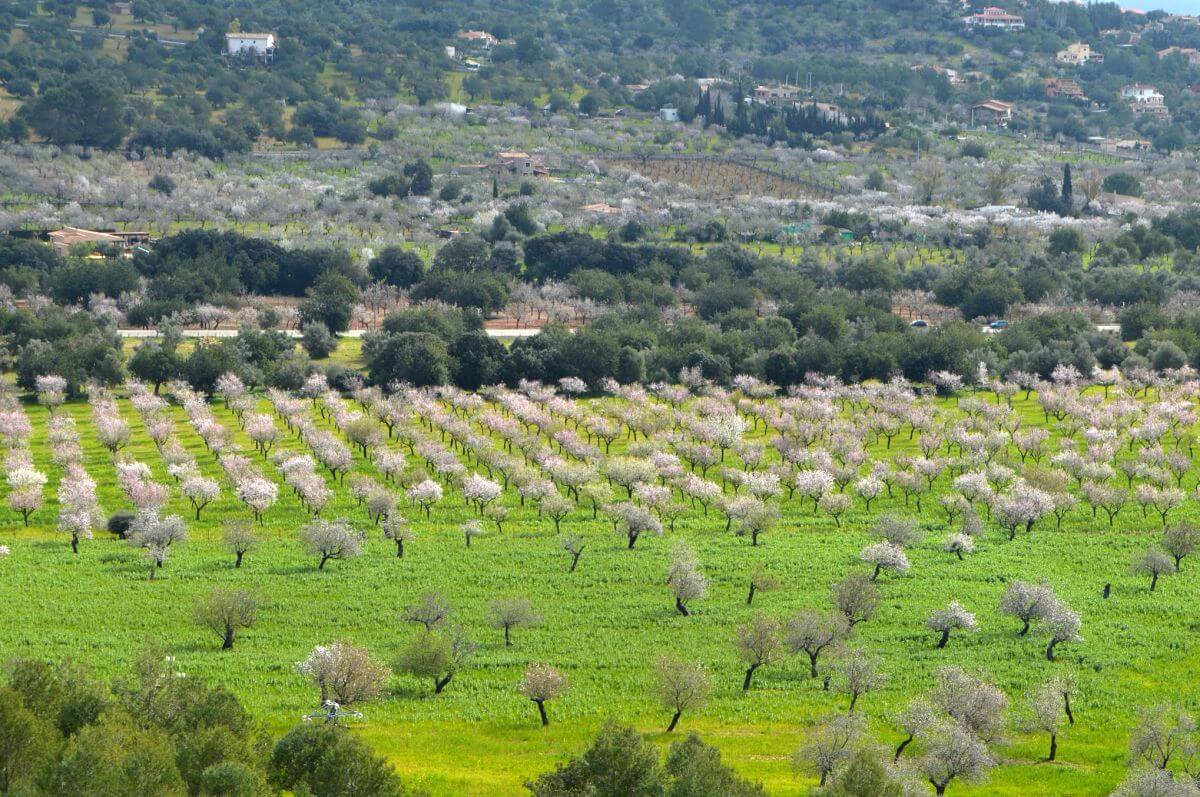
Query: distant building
{"type": "Point", "coordinates": [480, 38]}
{"type": "Point", "coordinates": [950, 74]}
{"type": "Point", "coordinates": [256, 45]}
{"type": "Point", "coordinates": [1190, 53]}
{"type": "Point", "coordinates": [1144, 99]}
{"type": "Point", "coordinates": [1064, 88]}
{"type": "Point", "coordinates": [997, 18]}
{"type": "Point", "coordinates": [451, 51]}
{"type": "Point", "coordinates": [777, 95]}
{"type": "Point", "coordinates": [66, 239]}
{"type": "Point", "coordinates": [668, 114]}
{"type": "Point", "coordinates": [603, 208]}
{"type": "Point", "coordinates": [1078, 54]}
{"type": "Point", "coordinates": [520, 163]}
{"type": "Point", "coordinates": [992, 112]}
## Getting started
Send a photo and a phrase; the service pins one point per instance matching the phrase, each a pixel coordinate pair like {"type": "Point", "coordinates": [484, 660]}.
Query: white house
{"type": "Point", "coordinates": [992, 17]}
{"type": "Point", "coordinates": [259, 45]}
{"type": "Point", "coordinates": [1144, 99]}
{"type": "Point", "coordinates": [668, 114]}
{"type": "Point", "coordinates": [1078, 54]}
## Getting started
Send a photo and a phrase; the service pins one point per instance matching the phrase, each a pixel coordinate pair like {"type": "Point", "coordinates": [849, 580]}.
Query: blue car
{"type": "Point", "coordinates": [1001, 324]}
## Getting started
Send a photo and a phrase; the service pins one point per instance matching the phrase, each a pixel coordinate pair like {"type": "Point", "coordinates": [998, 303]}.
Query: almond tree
{"type": "Point", "coordinates": [885, 555]}
{"type": "Point", "coordinates": [761, 580]}
{"type": "Point", "coordinates": [857, 673]}
{"type": "Point", "coordinates": [856, 598]}
{"type": "Point", "coordinates": [812, 632]}
{"type": "Point", "coordinates": [397, 529]}
{"type": "Point", "coordinates": [509, 613]}
{"type": "Point", "coordinates": [757, 644]}
{"type": "Point", "coordinates": [25, 491]}
{"type": "Point", "coordinates": [951, 752]}
{"type": "Point", "coordinates": [1180, 540]}
{"type": "Point", "coordinates": [239, 539]}
{"type": "Point", "coordinates": [1063, 625]}
{"type": "Point", "coordinates": [681, 686]}
{"type": "Point", "coordinates": [830, 744]}
{"type": "Point", "coordinates": [1153, 563]}
{"type": "Point", "coordinates": [225, 611]}
{"type": "Point", "coordinates": [425, 493]}
{"type": "Point", "coordinates": [156, 534]}
{"type": "Point", "coordinates": [200, 491]}
{"type": "Point", "coordinates": [343, 672]}
{"type": "Point", "coordinates": [573, 544]}
{"type": "Point", "coordinates": [1027, 602]}
{"type": "Point", "coordinates": [540, 683]}
{"type": "Point", "coordinates": [331, 539]}
{"type": "Point", "coordinates": [953, 617]}
{"type": "Point", "coordinates": [430, 609]}
{"type": "Point", "coordinates": [1045, 715]}
{"type": "Point", "coordinates": [437, 655]}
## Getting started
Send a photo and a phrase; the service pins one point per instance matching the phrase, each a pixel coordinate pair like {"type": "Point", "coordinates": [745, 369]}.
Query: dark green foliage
{"type": "Point", "coordinates": [327, 761]}
{"type": "Point", "coordinates": [397, 266]}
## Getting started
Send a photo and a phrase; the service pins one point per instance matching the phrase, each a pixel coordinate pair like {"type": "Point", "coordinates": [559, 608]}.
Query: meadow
{"type": "Point", "coordinates": [604, 624]}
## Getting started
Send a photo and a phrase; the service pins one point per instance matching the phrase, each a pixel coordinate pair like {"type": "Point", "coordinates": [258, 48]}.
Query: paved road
{"type": "Point", "coordinates": [528, 332]}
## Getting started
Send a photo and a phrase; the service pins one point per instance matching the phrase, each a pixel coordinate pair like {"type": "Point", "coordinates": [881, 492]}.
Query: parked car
{"type": "Point", "coordinates": [1001, 324]}
{"type": "Point", "coordinates": [920, 323]}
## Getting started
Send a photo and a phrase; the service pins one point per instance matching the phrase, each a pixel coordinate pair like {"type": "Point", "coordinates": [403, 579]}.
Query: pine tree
{"type": "Point", "coordinates": [1068, 192]}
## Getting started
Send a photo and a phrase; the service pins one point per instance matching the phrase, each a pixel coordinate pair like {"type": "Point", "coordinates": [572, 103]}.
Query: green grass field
{"type": "Point", "coordinates": [605, 624]}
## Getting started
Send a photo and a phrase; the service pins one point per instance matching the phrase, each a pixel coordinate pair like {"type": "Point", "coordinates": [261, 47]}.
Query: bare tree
{"type": "Point", "coordinates": [398, 530]}
{"type": "Point", "coordinates": [540, 683]}
{"type": "Point", "coordinates": [812, 632]}
{"type": "Point", "coordinates": [757, 643]}
{"type": "Point", "coordinates": [430, 609]}
{"type": "Point", "coordinates": [510, 613]}
{"type": "Point", "coordinates": [761, 580]}
{"type": "Point", "coordinates": [856, 597]}
{"type": "Point", "coordinates": [917, 717]}
{"type": "Point", "coordinates": [681, 686]}
{"type": "Point", "coordinates": [225, 611]}
{"type": "Point", "coordinates": [685, 578]}
{"type": "Point", "coordinates": [573, 544]}
{"type": "Point", "coordinates": [856, 674]}
{"type": "Point", "coordinates": [239, 539]}
{"type": "Point", "coordinates": [1165, 733]}
{"type": "Point", "coordinates": [972, 702]}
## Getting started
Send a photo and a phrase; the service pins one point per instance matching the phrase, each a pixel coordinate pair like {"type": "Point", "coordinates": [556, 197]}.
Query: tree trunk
{"type": "Point", "coordinates": [1025, 628]}
{"type": "Point", "coordinates": [853, 701]}
{"type": "Point", "coordinates": [238, 561]}
{"type": "Point", "coordinates": [440, 683]}
{"type": "Point", "coordinates": [74, 543]}
{"type": "Point", "coordinates": [812, 664]}
{"type": "Point", "coordinates": [632, 540]}
{"type": "Point", "coordinates": [507, 641]}
{"type": "Point", "coordinates": [875, 575]}
{"type": "Point", "coordinates": [1153, 581]}
{"type": "Point", "coordinates": [900, 748]}
{"type": "Point", "coordinates": [541, 704]}
{"type": "Point", "coordinates": [399, 549]}
{"type": "Point", "coordinates": [227, 643]}
{"type": "Point", "coordinates": [749, 676]}
{"type": "Point", "coordinates": [945, 638]}
{"type": "Point", "coordinates": [324, 559]}
{"type": "Point", "coordinates": [574, 561]}
{"type": "Point", "coordinates": [750, 595]}
{"type": "Point", "coordinates": [675, 720]}
{"type": "Point", "coordinates": [1050, 650]}
{"type": "Point", "coordinates": [1067, 709]}
{"type": "Point", "coordinates": [681, 607]}
{"type": "Point", "coordinates": [1053, 747]}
